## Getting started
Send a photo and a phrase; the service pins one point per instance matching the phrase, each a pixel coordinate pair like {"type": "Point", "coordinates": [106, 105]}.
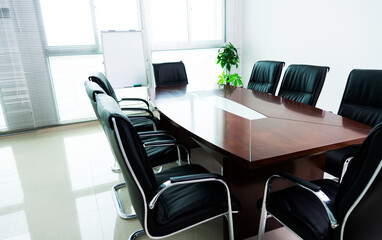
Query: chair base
{"type": "Point", "coordinates": [118, 204]}
{"type": "Point", "coordinates": [158, 169]}
{"type": "Point", "coordinates": [115, 168]}
{"type": "Point", "coordinates": [136, 234]}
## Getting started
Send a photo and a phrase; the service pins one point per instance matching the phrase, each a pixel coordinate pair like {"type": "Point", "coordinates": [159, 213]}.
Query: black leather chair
{"type": "Point", "coordinates": [141, 122]}
{"type": "Point", "coordinates": [362, 102]}
{"type": "Point", "coordinates": [303, 83]}
{"type": "Point", "coordinates": [265, 76]}
{"type": "Point", "coordinates": [172, 200]}
{"type": "Point", "coordinates": [170, 74]}
{"type": "Point", "coordinates": [157, 155]}
{"type": "Point", "coordinates": [164, 147]}
{"type": "Point", "coordinates": [327, 210]}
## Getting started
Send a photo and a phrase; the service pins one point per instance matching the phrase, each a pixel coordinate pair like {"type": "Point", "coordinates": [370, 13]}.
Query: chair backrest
{"type": "Point", "coordinates": [130, 154]}
{"type": "Point", "coordinates": [92, 89]}
{"type": "Point", "coordinates": [265, 76]}
{"type": "Point", "coordinates": [303, 83]}
{"type": "Point", "coordinates": [362, 99]}
{"type": "Point", "coordinates": [170, 74]}
{"type": "Point", "coordinates": [358, 201]}
{"type": "Point", "coordinates": [104, 83]}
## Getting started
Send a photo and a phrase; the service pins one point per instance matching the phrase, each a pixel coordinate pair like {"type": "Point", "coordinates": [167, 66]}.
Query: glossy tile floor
{"type": "Point", "coordinates": [55, 184]}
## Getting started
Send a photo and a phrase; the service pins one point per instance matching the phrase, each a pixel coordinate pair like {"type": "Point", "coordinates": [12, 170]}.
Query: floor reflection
{"type": "Point", "coordinates": [55, 184]}
{"type": "Point", "coordinates": [10, 187]}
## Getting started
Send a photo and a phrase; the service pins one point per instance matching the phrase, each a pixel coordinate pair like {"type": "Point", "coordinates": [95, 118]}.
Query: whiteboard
{"type": "Point", "coordinates": [124, 58]}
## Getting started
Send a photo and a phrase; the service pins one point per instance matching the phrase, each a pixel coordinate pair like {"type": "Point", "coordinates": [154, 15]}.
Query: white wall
{"type": "Point", "coordinates": [233, 27]}
{"type": "Point", "coordinates": [337, 33]}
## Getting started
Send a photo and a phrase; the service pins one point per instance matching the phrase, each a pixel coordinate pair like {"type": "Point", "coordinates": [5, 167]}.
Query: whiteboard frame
{"type": "Point", "coordinates": [120, 65]}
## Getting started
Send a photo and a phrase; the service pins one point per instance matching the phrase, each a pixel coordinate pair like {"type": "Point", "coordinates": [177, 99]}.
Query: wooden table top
{"type": "Point", "coordinates": [287, 130]}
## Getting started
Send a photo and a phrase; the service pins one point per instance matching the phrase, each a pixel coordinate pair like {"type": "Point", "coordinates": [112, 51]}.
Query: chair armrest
{"type": "Point", "coordinates": [160, 143]}
{"type": "Point", "coordinates": [189, 179]}
{"type": "Point", "coordinates": [144, 116]}
{"type": "Point", "coordinates": [135, 99]}
{"type": "Point", "coordinates": [156, 133]}
{"type": "Point", "coordinates": [195, 177]}
{"type": "Point", "coordinates": [298, 181]}
{"type": "Point", "coordinates": [138, 109]}
{"type": "Point", "coordinates": [310, 187]}
{"type": "Point", "coordinates": [176, 143]}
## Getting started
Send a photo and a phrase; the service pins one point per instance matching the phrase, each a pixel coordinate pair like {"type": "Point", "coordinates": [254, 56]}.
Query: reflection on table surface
{"type": "Point", "coordinates": [254, 126]}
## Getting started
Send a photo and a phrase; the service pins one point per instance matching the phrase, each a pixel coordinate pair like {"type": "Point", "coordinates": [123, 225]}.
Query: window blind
{"type": "Point", "coordinates": [25, 91]}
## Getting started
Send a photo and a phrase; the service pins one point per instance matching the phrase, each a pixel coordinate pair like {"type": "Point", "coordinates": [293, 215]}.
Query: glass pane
{"type": "Point", "coordinates": [206, 20]}
{"type": "Point", "coordinates": [67, 22]}
{"type": "Point", "coordinates": [169, 20]}
{"type": "Point", "coordinates": [116, 15]}
{"type": "Point", "coordinates": [69, 74]}
{"type": "Point", "coordinates": [201, 66]}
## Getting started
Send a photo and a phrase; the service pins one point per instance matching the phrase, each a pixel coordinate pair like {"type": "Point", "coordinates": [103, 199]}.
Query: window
{"type": "Point", "coordinates": [190, 31]}
{"type": "Point", "coordinates": [200, 64]}
{"type": "Point", "coordinates": [74, 47]}
{"type": "Point", "coordinates": [50, 47]}
{"type": "Point", "coordinates": [181, 24]}
{"type": "Point", "coordinates": [206, 20]}
{"type": "Point", "coordinates": [69, 74]}
{"type": "Point", "coordinates": [67, 22]}
{"type": "Point", "coordinates": [117, 15]}
{"type": "Point", "coordinates": [169, 24]}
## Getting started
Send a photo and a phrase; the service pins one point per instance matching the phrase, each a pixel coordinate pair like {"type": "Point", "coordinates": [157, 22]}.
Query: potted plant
{"type": "Point", "coordinates": [228, 57]}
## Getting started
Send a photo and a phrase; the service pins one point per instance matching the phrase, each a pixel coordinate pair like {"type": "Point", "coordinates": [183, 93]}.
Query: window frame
{"type": "Point", "coordinates": [69, 50]}
{"type": "Point", "coordinates": [72, 50]}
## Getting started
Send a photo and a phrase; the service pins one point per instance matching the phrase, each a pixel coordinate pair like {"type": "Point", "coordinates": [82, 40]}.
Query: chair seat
{"type": "Point", "coordinates": [143, 124]}
{"type": "Point", "coordinates": [301, 211]}
{"type": "Point", "coordinates": [184, 205]}
{"type": "Point", "coordinates": [335, 159]}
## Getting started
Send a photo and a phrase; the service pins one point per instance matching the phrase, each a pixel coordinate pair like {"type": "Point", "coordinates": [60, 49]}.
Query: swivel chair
{"type": "Point", "coordinates": [146, 123]}
{"type": "Point", "coordinates": [173, 200]}
{"type": "Point", "coordinates": [157, 154]}
{"type": "Point", "coordinates": [362, 102]}
{"type": "Point", "coordinates": [328, 210]}
{"type": "Point", "coordinates": [164, 148]}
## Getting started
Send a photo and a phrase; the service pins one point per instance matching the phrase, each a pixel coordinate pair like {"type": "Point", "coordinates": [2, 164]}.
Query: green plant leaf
{"type": "Point", "coordinates": [228, 57]}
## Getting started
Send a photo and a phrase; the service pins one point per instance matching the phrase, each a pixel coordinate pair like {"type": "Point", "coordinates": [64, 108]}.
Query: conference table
{"type": "Point", "coordinates": [254, 134]}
